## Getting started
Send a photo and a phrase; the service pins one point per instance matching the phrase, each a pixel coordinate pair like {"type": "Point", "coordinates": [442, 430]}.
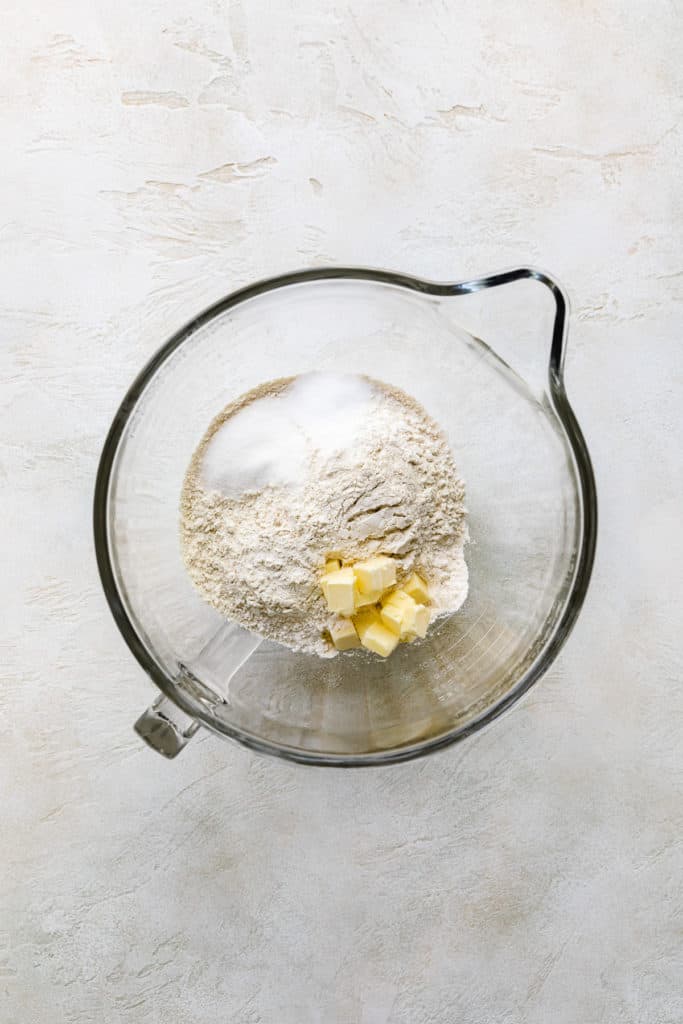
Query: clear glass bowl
{"type": "Point", "coordinates": [530, 494]}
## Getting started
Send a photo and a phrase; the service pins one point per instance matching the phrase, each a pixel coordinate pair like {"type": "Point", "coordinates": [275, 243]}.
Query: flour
{"type": "Point", "coordinates": [305, 467]}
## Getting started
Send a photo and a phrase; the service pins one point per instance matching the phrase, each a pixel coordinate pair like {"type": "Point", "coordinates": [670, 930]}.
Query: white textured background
{"type": "Point", "coordinates": [157, 155]}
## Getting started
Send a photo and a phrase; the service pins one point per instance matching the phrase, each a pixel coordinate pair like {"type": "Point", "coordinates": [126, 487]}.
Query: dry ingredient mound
{"type": "Point", "coordinates": [305, 467]}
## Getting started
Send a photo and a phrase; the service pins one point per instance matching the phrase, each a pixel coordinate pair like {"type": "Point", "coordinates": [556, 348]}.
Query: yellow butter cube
{"type": "Point", "coordinates": [392, 617]}
{"type": "Point", "coordinates": [365, 619]}
{"type": "Point", "coordinates": [376, 573]}
{"type": "Point", "coordinates": [380, 640]}
{"type": "Point", "coordinates": [416, 588]}
{"type": "Point", "coordinates": [397, 597]}
{"type": "Point", "coordinates": [363, 600]}
{"type": "Point", "coordinates": [399, 613]}
{"type": "Point", "coordinates": [323, 583]}
{"type": "Point", "coordinates": [338, 589]}
{"type": "Point", "coordinates": [332, 565]}
{"type": "Point", "coordinates": [344, 635]}
{"type": "Point", "coordinates": [421, 623]}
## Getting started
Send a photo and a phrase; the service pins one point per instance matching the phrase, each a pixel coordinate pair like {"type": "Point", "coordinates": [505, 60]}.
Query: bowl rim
{"type": "Point", "coordinates": [588, 518]}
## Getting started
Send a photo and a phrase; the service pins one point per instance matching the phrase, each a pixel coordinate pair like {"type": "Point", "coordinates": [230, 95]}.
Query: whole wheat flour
{"type": "Point", "coordinates": [302, 468]}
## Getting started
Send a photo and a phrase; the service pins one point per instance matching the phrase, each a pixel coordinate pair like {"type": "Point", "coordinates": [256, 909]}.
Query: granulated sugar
{"type": "Point", "coordinates": [271, 442]}
{"type": "Point", "coordinates": [301, 468]}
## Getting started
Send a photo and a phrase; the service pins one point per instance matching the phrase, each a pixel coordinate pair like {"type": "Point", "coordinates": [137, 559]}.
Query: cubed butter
{"type": "Point", "coordinates": [399, 614]}
{"type": "Point", "coordinates": [380, 640]}
{"type": "Point", "coordinates": [397, 597]}
{"type": "Point", "coordinates": [421, 624]}
{"type": "Point", "coordinates": [392, 617]}
{"type": "Point", "coordinates": [344, 635]}
{"type": "Point", "coordinates": [363, 600]}
{"type": "Point", "coordinates": [323, 583]}
{"type": "Point", "coordinates": [338, 588]}
{"type": "Point", "coordinates": [354, 594]}
{"type": "Point", "coordinates": [416, 588]}
{"type": "Point", "coordinates": [365, 619]}
{"type": "Point", "coordinates": [376, 573]}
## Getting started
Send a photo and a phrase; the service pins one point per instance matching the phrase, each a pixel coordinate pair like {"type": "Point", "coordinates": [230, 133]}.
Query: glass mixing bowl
{"type": "Point", "coordinates": [530, 494]}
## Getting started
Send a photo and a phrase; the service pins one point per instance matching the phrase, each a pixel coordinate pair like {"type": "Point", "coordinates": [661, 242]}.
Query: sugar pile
{"type": "Point", "coordinates": [271, 442]}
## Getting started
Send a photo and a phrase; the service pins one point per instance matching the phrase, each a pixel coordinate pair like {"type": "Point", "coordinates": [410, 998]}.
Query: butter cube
{"type": "Point", "coordinates": [416, 588]}
{"type": "Point", "coordinates": [399, 614]}
{"type": "Point", "coordinates": [392, 617]}
{"type": "Point", "coordinates": [421, 624]}
{"type": "Point", "coordinates": [323, 584]}
{"type": "Point", "coordinates": [380, 640]}
{"type": "Point", "coordinates": [332, 565]}
{"type": "Point", "coordinates": [338, 589]}
{"type": "Point", "coordinates": [376, 573]}
{"type": "Point", "coordinates": [363, 600]}
{"type": "Point", "coordinates": [364, 620]}
{"type": "Point", "coordinates": [344, 635]}
{"type": "Point", "coordinates": [397, 597]}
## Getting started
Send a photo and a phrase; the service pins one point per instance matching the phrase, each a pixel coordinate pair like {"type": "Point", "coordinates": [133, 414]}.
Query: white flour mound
{"type": "Point", "coordinates": [301, 468]}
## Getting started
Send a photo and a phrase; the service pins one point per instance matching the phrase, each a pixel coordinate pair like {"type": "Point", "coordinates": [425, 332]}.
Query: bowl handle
{"type": "Point", "coordinates": [165, 727]}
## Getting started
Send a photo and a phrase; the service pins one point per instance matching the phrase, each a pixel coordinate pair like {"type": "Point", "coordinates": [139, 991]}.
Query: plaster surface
{"type": "Point", "coordinates": [159, 155]}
